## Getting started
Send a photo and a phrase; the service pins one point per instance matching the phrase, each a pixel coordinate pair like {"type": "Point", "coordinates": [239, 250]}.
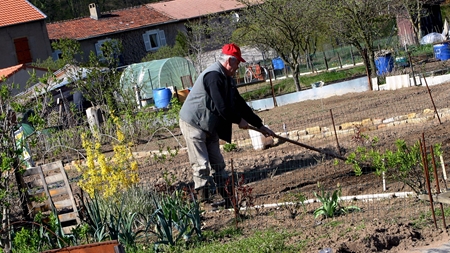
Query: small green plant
{"type": "Point", "coordinates": [334, 223]}
{"type": "Point", "coordinates": [26, 241]}
{"type": "Point", "coordinates": [330, 203]}
{"type": "Point", "coordinates": [228, 147]}
{"type": "Point", "coordinates": [297, 200]}
{"type": "Point", "coordinates": [44, 233]}
{"type": "Point", "coordinates": [167, 155]}
{"type": "Point", "coordinates": [95, 218]}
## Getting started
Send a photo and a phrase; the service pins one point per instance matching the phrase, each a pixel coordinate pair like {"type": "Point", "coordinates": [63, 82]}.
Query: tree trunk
{"type": "Point", "coordinates": [369, 66]}
{"type": "Point", "coordinates": [6, 240]}
{"type": "Point", "coordinates": [296, 76]}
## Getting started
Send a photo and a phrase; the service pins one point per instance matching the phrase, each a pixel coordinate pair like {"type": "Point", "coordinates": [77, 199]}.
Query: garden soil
{"type": "Point", "coordinates": [374, 234]}
{"type": "Point", "coordinates": [386, 230]}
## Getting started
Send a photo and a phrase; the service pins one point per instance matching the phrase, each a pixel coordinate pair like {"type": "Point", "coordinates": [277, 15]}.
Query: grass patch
{"type": "Point", "coordinates": [333, 75]}
{"type": "Point", "coordinates": [267, 241]}
{"type": "Point", "coordinates": [285, 86]}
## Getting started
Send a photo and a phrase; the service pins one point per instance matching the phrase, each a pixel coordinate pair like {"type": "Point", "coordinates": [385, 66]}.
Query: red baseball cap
{"type": "Point", "coordinates": [234, 50]}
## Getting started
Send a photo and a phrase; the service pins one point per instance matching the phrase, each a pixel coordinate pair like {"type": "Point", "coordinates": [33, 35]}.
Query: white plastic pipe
{"type": "Point", "coordinates": [443, 167]}
{"type": "Point", "coordinates": [367, 197]}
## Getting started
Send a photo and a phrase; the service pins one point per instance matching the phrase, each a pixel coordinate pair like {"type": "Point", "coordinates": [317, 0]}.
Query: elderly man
{"type": "Point", "coordinates": [207, 115]}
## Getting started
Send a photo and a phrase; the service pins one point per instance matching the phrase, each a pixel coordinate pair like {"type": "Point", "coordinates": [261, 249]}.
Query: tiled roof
{"type": "Point", "coordinates": [185, 9]}
{"type": "Point", "coordinates": [14, 12]}
{"type": "Point", "coordinates": [108, 23]}
{"type": "Point", "coordinates": [9, 71]}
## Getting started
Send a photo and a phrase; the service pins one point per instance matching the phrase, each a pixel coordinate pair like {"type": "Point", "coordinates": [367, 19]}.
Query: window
{"type": "Point", "coordinates": [23, 52]}
{"type": "Point", "coordinates": [113, 45]}
{"type": "Point", "coordinates": [57, 54]}
{"type": "Point", "coordinates": [98, 48]}
{"type": "Point", "coordinates": [154, 39]}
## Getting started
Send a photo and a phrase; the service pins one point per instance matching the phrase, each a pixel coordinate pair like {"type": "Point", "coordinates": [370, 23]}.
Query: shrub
{"type": "Point", "coordinates": [401, 165]}
{"type": "Point", "coordinates": [104, 175]}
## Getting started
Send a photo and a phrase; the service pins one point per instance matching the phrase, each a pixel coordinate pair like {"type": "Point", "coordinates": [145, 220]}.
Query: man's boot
{"type": "Point", "coordinates": [202, 194]}
{"type": "Point", "coordinates": [204, 198]}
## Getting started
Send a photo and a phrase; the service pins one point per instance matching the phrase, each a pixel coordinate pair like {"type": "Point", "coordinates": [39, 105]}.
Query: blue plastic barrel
{"type": "Point", "coordinates": [277, 63]}
{"type": "Point", "coordinates": [384, 64]}
{"type": "Point", "coordinates": [162, 97]}
{"type": "Point", "coordinates": [442, 51]}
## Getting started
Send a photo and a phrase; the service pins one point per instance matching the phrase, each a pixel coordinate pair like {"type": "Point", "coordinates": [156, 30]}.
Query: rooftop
{"type": "Point", "coordinates": [185, 9]}
{"type": "Point", "coordinates": [108, 23]}
{"type": "Point", "coordinates": [14, 12]}
{"type": "Point", "coordinates": [7, 72]}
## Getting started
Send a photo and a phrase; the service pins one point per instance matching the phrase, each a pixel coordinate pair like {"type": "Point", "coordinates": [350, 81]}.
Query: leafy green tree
{"type": "Point", "coordinates": [70, 49]}
{"type": "Point", "coordinates": [163, 53]}
{"type": "Point", "coordinates": [97, 79]}
{"type": "Point", "coordinates": [283, 25]}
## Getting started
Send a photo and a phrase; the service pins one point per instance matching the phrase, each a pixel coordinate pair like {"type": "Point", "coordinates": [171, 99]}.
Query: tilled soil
{"type": "Point", "coordinates": [287, 173]}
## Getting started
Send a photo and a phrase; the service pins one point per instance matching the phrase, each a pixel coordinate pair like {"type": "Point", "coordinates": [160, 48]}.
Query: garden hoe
{"type": "Point", "coordinates": [303, 145]}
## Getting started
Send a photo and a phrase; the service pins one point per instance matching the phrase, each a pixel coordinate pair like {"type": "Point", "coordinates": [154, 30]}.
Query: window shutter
{"type": "Point", "coordinates": [162, 38]}
{"type": "Point", "coordinates": [98, 50]}
{"type": "Point", "coordinates": [56, 54]}
{"type": "Point", "coordinates": [146, 41]}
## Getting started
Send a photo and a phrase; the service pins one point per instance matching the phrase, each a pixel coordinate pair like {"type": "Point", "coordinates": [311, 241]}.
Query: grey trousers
{"type": "Point", "coordinates": [204, 155]}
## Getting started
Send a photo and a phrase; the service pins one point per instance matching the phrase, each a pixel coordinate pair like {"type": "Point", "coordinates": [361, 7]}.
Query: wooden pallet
{"type": "Point", "coordinates": [48, 189]}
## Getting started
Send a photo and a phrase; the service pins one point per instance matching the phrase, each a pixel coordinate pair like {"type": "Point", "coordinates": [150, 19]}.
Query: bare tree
{"type": "Point", "coordinates": [358, 23]}
{"type": "Point", "coordinates": [290, 27]}
{"type": "Point", "coordinates": [207, 33]}
{"type": "Point", "coordinates": [414, 11]}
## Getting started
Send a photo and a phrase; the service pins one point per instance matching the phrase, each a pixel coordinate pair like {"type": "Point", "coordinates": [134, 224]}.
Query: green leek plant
{"type": "Point", "coordinates": [96, 219]}
{"type": "Point", "coordinates": [120, 218]}
{"type": "Point", "coordinates": [125, 227]}
{"type": "Point", "coordinates": [330, 204]}
{"type": "Point", "coordinates": [176, 218]}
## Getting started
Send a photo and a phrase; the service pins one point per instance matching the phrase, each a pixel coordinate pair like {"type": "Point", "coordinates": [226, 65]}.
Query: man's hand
{"type": "Point", "coordinates": [266, 131]}
{"type": "Point", "coordinates": [243, 124]}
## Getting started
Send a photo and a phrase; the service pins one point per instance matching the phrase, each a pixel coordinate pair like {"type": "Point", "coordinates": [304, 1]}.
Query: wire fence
{"type": "Point", "coordinates": [333, 58]}
{"type": "Point", "coordinates": [284, 177]}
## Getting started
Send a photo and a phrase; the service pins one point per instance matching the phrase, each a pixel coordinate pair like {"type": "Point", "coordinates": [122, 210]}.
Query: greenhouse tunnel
{"type": "Point", "coordinates": [170, 72]}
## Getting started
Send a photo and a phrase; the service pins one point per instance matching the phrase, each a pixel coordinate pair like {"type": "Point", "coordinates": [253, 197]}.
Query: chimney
{"type": "Point", "coordinates": [93, 10]}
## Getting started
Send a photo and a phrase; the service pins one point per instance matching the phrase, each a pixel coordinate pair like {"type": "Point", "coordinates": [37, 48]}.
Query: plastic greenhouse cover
{"type": "Point", "coordinates": [432, 38]}
{"type": "Point", "coordinates": [157, 74]}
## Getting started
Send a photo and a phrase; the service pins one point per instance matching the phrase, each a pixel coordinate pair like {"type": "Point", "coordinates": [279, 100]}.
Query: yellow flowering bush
{"type": "Point", "coordinates": [107, 175]}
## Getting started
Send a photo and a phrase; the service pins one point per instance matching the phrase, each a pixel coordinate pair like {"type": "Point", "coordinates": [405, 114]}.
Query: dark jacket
{"type": "Point", "coordinates": [214, 104]}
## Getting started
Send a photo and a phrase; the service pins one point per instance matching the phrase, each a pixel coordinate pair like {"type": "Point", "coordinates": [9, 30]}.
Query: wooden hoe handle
{"type": "Point", "coordinates": [303, 145]}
